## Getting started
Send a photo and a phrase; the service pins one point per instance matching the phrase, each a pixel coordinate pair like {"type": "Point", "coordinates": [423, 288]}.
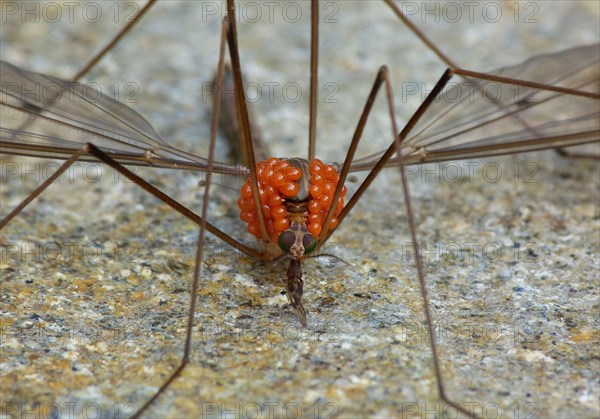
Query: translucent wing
{"type": "Point", "coordinates": [49, 117]}
{"type": "Point", "coordinates": [476, 118]}
{"type": "Point", "coordinates": [45, 116]}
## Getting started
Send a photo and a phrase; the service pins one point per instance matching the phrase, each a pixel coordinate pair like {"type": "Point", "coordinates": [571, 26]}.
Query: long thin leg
{"type": "Point", "coordinates": [242, 113]}
{"type": "Point", "coordinates": [174, 204]}
{"type": "Point", "coordinates": [90, 149]}
{"type": "Point", "coordinates": [200, 247]}
{"type": "Point", "coordinates": [94, 60]}
{"type": "Point", "coordinates": [63, 167]}
{"type": "Point", "coordinates": [524, 83]}
{"type": "Point", "coordinates": [230, 126]}
{"type": "Point", "coordinates": [420, 34]}
{"type": "Point", "coordinates": [419, 262]}
{"type": "Point", "coordinates": [439, 86]}
{"type": "Point", "coordinates": [382, 75]}
{"type": "Point", "coordinates": [314, 78]}
{"type": "Point", "coordinates": [100, 155]}
{"type": "Point", "coordinates": [433, 47]}
{"type": "Point", "coordinates": [395, 148]}
{"type": "Point", "coordinates": [392, 148]}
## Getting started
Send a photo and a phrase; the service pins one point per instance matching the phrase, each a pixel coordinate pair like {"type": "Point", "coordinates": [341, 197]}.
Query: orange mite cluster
{"type": "Point", "coordinates": [278, 180]}
{"type": "Point", "coordinates": [323, 181]}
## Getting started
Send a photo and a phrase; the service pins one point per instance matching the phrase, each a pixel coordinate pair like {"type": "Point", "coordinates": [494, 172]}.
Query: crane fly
{"type": "Point", "coordinates": [273, 344]}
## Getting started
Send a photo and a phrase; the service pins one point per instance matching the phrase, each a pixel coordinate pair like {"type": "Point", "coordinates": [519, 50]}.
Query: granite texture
{"type": "Point", "coordinates": [95, 274]}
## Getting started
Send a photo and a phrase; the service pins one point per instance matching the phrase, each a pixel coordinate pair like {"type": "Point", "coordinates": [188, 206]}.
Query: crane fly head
{"type": "Point", "coordinates": [297, 241]}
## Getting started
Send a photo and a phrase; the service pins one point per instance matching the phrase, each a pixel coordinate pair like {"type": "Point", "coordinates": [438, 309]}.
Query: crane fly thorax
{"type": "Point", "coordinates": [295, 196]}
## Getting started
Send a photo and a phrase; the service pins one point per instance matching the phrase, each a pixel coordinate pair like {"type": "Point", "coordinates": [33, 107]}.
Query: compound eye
{"type": "Point", "coordinates": [309, 242]}
{"type": "Point", "coordinates": [287, 240]}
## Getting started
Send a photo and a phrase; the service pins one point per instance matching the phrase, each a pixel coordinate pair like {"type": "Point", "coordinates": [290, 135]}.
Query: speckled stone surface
{"type": "Point", "coordinates": [95, 274]}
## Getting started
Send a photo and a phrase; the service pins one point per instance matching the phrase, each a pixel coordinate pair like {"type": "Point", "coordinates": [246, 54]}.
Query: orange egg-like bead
{"type": "Point", "coordinates": [334, 222]}
{"type": "Point", "coordinates": [270, 227]}
{"type": "Point", "coordinates": [292, 173]}
{"type": "Point", "coordinates": [278, 212]}
{"type": "Point", "coordinates": [315, 191]}
{"type": "Point", "coordinates": [246, 191]}
{"type": "Point", "coordinates": [266, 210]}
{"type": "Point", "coordinates": [314, 207]}
{"type": "Point", "coordinates": [246, 204]}
{"type": "Point", "coordinates": [278, 179]}
{"type": "Point", "coordinates": [315, 217]}
{"type": "Point", "coordinates": [275, 201]}
{"type": "Point", "coordinates": [329, 188]}
{"type": "Point", "coordinates": [280, 165]}
{"type": "Point", "coordinates": [281, 224]}
{"type": "Point", "coordinates": [262, 196]}
{"type": "Point", "coordinates": [289, 189]}
{"type": "Point", "coordinates": [315, 165]}
{"type": "Point", "coordinates": [325, 201]}
{"type": "Point", "coordinates": [253, 229]}
{"type": "Point", "coordinates": [316, 178]}
{"type": "Point", "coordinates": [270, 191]}
{"type": "Point", "coordinates": [315, 228]}
{"type": "Point", "coordinates": [330, 171]}
{"type": "Point", "coordinates": [246, 216]}
{"type": "Point", "coordinates": [265, 175]}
